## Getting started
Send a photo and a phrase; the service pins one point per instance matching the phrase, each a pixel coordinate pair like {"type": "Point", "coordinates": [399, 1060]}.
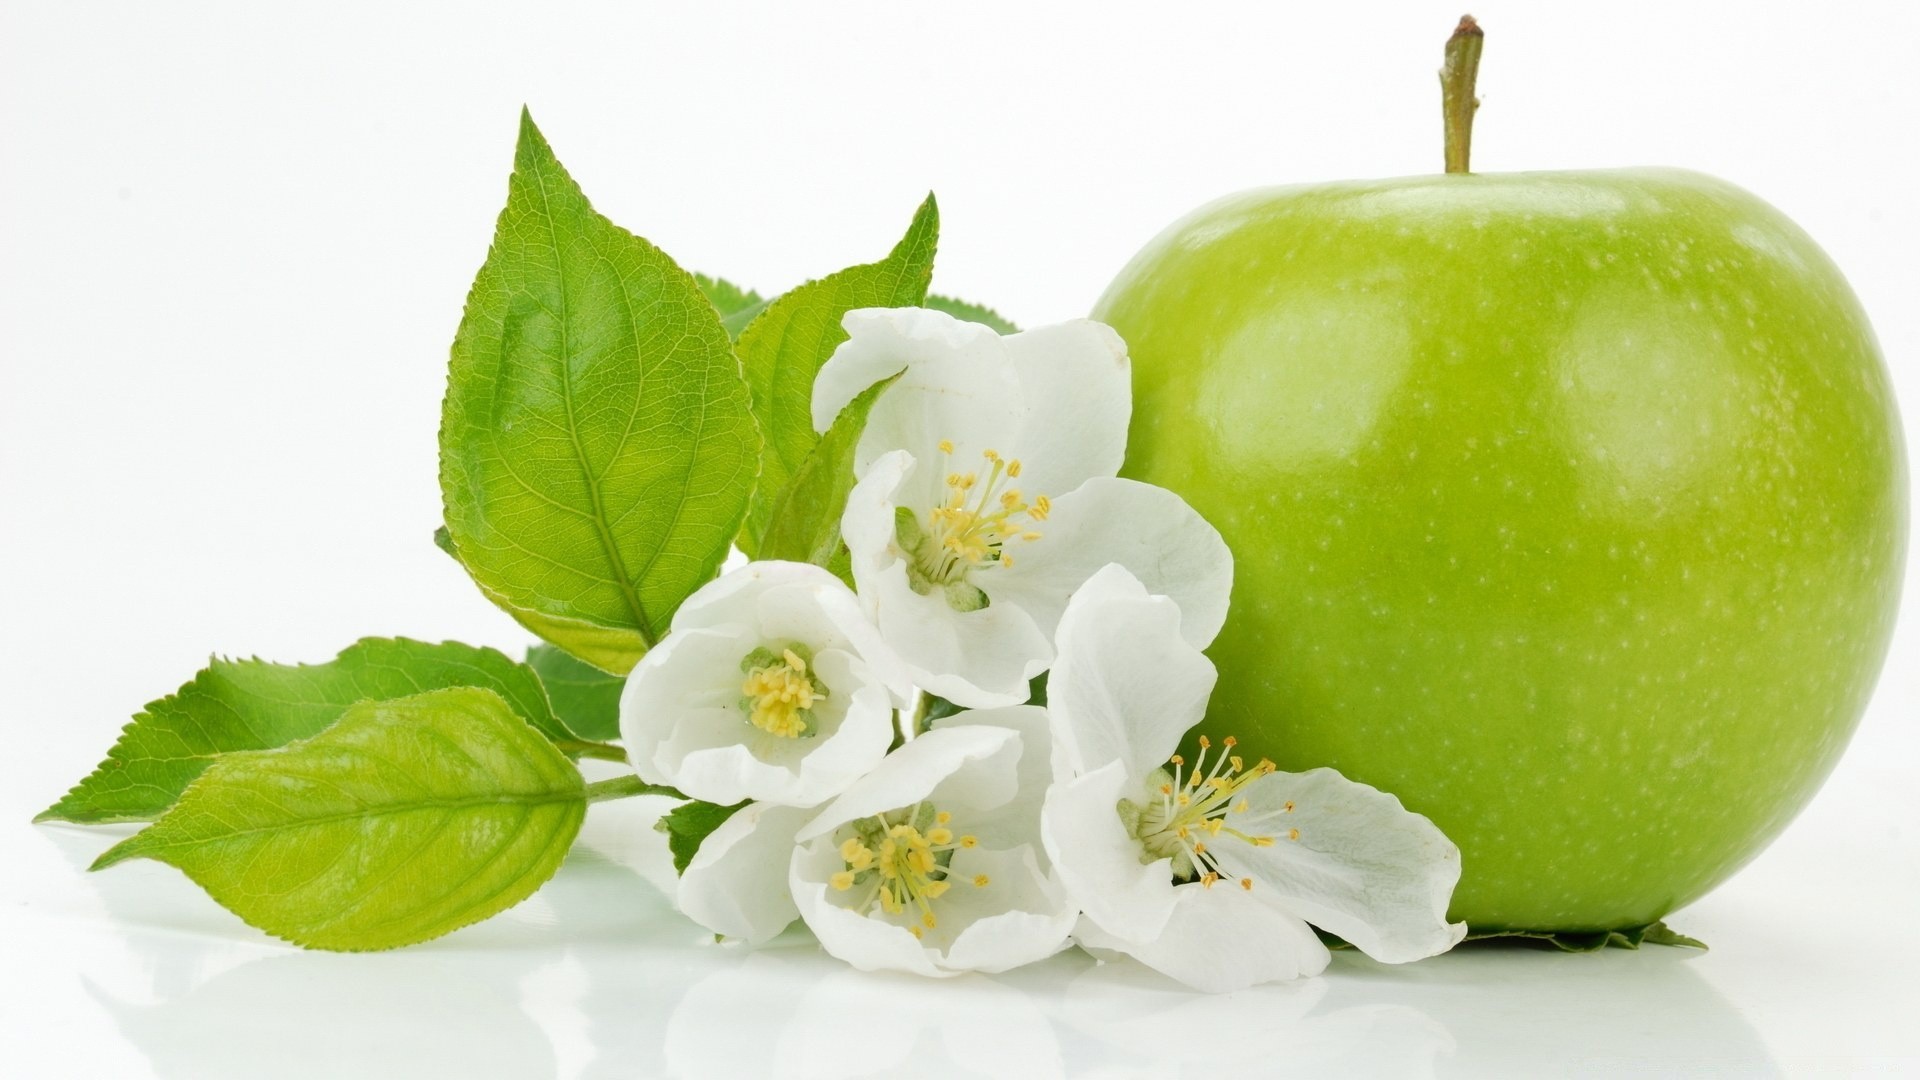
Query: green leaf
{"type": "Point", "coordinates": [784, 347]}
{"type": "Point", "coordinates": [689, 824]}
{"type": "Point", "coordinates": [404, 821]}
{"type": "Point", "coordinates": [596, 447]}
{"type": "Point", "coordinates": [805, 523]}
{"type": "Point", "coordinates": [960, 309]}
{"type": "Point", "coordinates": [726, 297]}
{"type": "Point", "coordinates": [1582, 941]}
{"type": "Point", "coordinates": [737, 306]}
{"type": "Point", "coordinates": [934, 708]}
{"type": "Point", "coordinates": [586, 698]}
{"type": "Point", "coordinates": [235, 705]}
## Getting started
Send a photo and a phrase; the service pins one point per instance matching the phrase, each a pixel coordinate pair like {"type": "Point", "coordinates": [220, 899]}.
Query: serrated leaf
{"type": "Point", "coordinates": [596, 446]}
{"type": "Point", "coordinates": [726, 297]}
{"type": "Point", "coordinates": [960, 309]}
{"type": "Point", "coordinates": [737, 306]}
{"type": "Point", "coordinates": [585, 698]}
{"type": "Point", "coordinates": [688, 824]}
{"type": "Point", "coordinates": [1585, 941]}
{"type": "Point", "coordinates": [783, 348]}
{"type": "Point", "coordinates": [805, 523]}
{"type": "Point", "coordinates": [404, 821]}
{"type": "Point", "coordinates": [235, 705]}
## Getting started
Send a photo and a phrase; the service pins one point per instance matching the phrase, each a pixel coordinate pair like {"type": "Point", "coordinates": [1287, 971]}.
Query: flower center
{"type": "Point", "coordinates": [1188, 812]}
{"type": "Point", "coordinates": [899, 862]}
{"type": "Point", "coordinates": [779, 692]}
{"type": "Point", "coordinates": [971, 528]}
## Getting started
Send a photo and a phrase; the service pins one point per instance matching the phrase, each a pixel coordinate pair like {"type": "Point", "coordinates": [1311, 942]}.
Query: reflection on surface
{"type": "Point", "coordinates": [596, 977]}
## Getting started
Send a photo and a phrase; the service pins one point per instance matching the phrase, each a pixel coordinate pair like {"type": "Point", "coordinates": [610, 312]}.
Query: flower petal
{"type": "Point", "coordinates": [736, 883]}
{"type": "Point", "coordinates": [912, 772]}
{"type": "Point", "coordinates": [1018, 918]}
{"type": "Point", "coordinates": [1017, 820]}
{"type": "Point", "coordinates": [1222, 939]}
{"type": "Point", "coordinates": [1076, 386]}
{"type": "Point", "coordinates": [1126, 685]}
{"type": "Point", "coordinates": [1058, 397]}
{"type": "Point", "coordinates": [683, 675]}
{"type": "Point", "coordinates": [1362, 867]}
{"type": "Point", "coordinates": [883, 342]}
{"type": "Point", "coordinates": [709, 757]}
{"type": "Point", "coordinates": [1149, 530]}
{"type": "Point", "coordinates": [978, 658]}
{"type": "Point", "coordinates": [733, 596]}
{"type": "Point", "coordinates": [1098, 862]}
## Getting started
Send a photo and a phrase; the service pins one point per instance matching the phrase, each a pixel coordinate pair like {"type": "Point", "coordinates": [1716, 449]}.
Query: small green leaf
{"type": "Point", "coordinates": [1582, 941]}
{"type": "Point", "coordinates": [443, 540]}
{"type": "Point", "coordinates": [783, 348]}
{"type": "Point", "coordinates": [737, 306]}
{"type": "Point", "coordinates": [586, 698]}
{"type": "Point", "coordinates": [253, 705]}
{"type": "Point", "coordinates": [596, 446]}
{"type": "Point", "coordinates": [960, 309]}
{"type": "Point", "coordinates": [726, 297]}
{"type": "Point", "coordinates": [688, 825]}
{"type": "Point", "coordinates": [934, 708]}
{"type": "Point", "coordinates": [805, 523]}
{"type": "Point", "coordinates": [627, 787]}
{"type": "Point", "coordinates": [404, 821]}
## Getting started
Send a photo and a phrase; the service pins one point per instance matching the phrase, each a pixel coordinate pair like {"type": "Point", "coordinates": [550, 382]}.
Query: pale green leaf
{"type": "Point", "coordinates": [596, 447]}
{"type": "Point", "coordinates": [783, 348]}
{"type": "Point", "coordinates": [960, 309]}
{"type": "Point", "coordinates": [405, 820]}
{"type": "Point", "coordinates": [253, 705]}
{"type": "Point", "coordinates": [585, 698]}
{"type": "Point", "coordinates": [688, 824]}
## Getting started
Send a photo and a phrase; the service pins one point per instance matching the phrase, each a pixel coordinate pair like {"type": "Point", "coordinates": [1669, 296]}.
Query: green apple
{"type": "Point", "coordinates": [1569, 507]}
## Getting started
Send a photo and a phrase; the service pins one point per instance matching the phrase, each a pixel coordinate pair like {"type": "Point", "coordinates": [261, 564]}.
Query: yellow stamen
{"type": "Point", "coordinates": [778, 694]}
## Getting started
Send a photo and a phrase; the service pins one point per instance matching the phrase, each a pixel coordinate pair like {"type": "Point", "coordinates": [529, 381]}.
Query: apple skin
{"type": "Point", "coordinates": [1568, 507]}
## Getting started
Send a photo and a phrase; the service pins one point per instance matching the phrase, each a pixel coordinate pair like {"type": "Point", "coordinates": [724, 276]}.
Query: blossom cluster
{"type": "Point", "coordinates": [991, 542]}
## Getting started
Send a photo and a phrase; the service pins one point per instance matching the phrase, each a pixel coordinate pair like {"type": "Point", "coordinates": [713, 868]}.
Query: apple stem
{"type": "Point", "coordinates": [1457, 102]}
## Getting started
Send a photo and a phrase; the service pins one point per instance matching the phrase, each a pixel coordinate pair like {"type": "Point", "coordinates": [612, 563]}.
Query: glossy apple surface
{"type": "Point", "coordinates": [1569, 507]}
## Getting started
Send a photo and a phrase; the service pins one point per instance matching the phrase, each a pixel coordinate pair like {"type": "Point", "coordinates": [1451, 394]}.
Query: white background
{"type": "Point", "coordinates": [234, 244]}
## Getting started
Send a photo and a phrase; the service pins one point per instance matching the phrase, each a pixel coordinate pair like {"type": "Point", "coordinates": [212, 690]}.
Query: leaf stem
{"type": "Point", "coordinates": [1457, 103]}
{"type": "Point", "coordinates": [626, 787]}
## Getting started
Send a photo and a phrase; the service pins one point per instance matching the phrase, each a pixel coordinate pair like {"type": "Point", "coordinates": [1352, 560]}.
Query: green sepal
{"type": "Point", "coordinates": [404, 821]}
{"type": "Point", "coordinates": [688, 825]}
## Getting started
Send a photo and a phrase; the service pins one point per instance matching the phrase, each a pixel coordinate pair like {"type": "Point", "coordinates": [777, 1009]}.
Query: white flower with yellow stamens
{"type": "Point", "coordinates": [772, 686]}
{"type": "Point", "coordinates": [931, 864]}
{"type": "Point", "coordinates": [986, 494]}
{"type": "Point", "coordinates": [1210, 870]}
